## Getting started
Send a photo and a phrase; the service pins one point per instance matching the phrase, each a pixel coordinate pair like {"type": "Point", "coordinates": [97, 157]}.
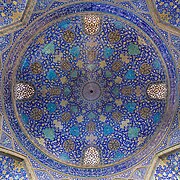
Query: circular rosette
{"type": "Point", "coordinates": [91, 93]}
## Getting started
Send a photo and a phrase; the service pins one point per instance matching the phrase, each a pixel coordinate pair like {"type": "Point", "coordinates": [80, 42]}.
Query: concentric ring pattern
{"type": "Point", "coordinates": [83, 81]}
{"type": "Point", "coordinates": [90, 72]}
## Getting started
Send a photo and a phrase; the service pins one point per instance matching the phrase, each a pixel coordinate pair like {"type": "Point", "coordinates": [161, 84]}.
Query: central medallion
{"type": "Point", "coordinates": [91, 91]}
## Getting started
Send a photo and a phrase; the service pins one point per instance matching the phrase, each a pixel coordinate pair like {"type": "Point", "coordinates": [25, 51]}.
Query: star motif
{"type": "Point", "coordinates": [63, 80]}
{"type": "Point", "coordinates": [102, 118]}
{"type": "Point", "coordinates": [124, 58]}
{"type": "Point", "coordinates": [124, 123]}
{"type": "Point", "coordinates": [141, 140]}
{"type": "Point", "coordinates": [102, 64]}
{"type": "Point", "coordinates": [164, 162]}
{"type": "Point", "coordinates": [40, 40]}
{"type": "Point", "coordinates": [118, 102]}
{"type": "Point", "coordinates": [18, 165]}
{"type": "Point", "coordinates": [165, 16]}
{"type": "Point", "coordinates": [64, 103]}
{"type": "Point", "coordinates": [16, 16]}
{"type": "Point", "coordinates": [58, 124]}
{"type": "Point", "coordinates": [79, 119]}
{"type": "Point", "coordinates": [118, 80]}
{"type": "Point", "coordinates": [41, 141]}
{"type": "Point", "coordinates": [141, 41]}
{"type": "Point", "coordinates": [79, 64]}
{"type": "Point", "coordinates": [58, 57]}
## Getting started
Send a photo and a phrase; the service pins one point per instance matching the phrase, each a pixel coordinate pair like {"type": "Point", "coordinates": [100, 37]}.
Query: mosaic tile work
{"type": "Point", "coordinates": [6, 141]}
{"type": "Point", "coordinates": [168, 167]}
{"type": "Point", "coordinates": [139, 174]}
{"type": "Point", "coordinates": [175, 40]}
{"type": "Point", "coordinates": [175, 138]}
{"type": "Point", "coordinates": [57, 103]}
{"type": "Point", "coordinates": [42, 175]}
{"type": "Point", "coordinates": [43, 4]}
{"type": "Point", "coordinates": [141, 5]}
{"type": "Point", "coordinates": [4, 42]}
{"type": "Point", "coordinates": [168, 11]}
{"type": "Point", "coordinates": [126, 4]}
{"type": "Point", "coordinates": [23, 91]}
{"type": "Point", "coordinates": [11, 11]}
{"type": "Point", "coordinates": [11, 168]}
{"type": "Point", "coordinates": [157, 91]}
{"type": "Point", "coordinates": [83, 96]}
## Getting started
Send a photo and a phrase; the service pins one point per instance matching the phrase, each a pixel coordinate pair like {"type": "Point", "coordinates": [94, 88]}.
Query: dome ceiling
{"type": "Point", "coordinates": [90, 91]}
{"type": "Point", "coordinates": [90, 74]}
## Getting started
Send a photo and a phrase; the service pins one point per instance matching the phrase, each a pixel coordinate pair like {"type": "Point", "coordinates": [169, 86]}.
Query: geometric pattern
{"type": "Point", "coordinates": [168, 167]}
{"type": "Point", "coordinates": [11, 12]}
{"type": "Point", "coordinates": [157, 91]}
{"type": "Point", "coordinates": [84, 82]}
{"type": "Point", "coordinates": [88, 100]}
{"type": "Point", "coordinates": [165, 165]}
{"type": "Point", "coordinates": [169, 15]}
{"type": "Point", "coordinates": [23, 91]}
{"type": "Point", "coordinates": [165, 14]}
{"type": "Point", "coordinates": [15, 165]}
{"type": "Point", "coordinates": [11, 168]}
{"type": "Point", "coordinates": [14, 14]}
